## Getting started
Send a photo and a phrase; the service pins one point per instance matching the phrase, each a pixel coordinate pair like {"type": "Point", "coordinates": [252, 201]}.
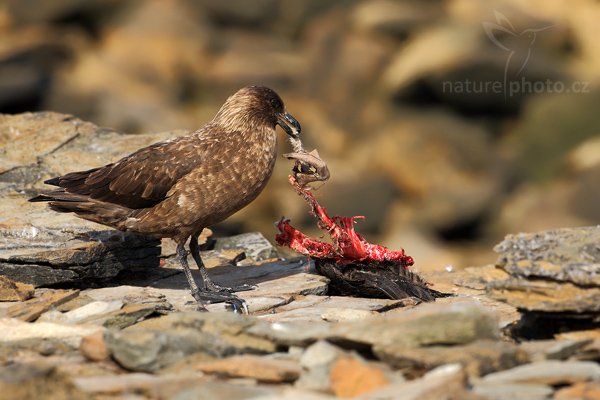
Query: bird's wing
{"type": "Point", "coordinates": [142, 179]}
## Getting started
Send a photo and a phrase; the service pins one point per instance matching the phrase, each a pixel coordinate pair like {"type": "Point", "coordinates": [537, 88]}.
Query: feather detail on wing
{"type": "Point", "coordinates": [140, 180]}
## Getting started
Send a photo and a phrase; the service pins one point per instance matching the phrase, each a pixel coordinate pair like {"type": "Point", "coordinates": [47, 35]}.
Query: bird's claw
{"type": "Point", "coordinates": [237, 305]}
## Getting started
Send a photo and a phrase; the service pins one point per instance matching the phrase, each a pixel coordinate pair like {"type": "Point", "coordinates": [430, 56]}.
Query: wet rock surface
{"type": "Point", "coordinates": [92, 313]}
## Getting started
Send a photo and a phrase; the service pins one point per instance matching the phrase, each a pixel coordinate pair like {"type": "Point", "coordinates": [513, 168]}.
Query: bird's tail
{"type": "Point", "coordinates": [90, 209]}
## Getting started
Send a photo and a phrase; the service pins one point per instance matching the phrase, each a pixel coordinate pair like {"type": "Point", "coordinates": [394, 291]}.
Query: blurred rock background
{"type": "Point", "coordinates": [380, 87]}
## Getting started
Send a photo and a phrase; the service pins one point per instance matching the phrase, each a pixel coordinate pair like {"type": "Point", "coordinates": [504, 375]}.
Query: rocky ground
{"type": "Point", "coordinates": [86, 312]}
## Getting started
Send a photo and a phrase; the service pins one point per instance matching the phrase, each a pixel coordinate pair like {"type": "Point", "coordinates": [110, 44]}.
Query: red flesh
{"type": "Point", "coordinates": [347, 245]}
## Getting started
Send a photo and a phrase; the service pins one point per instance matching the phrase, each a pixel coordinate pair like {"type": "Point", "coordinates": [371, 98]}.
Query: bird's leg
{"type": "Point", "coordinates": [210, 291]}
{"type": "Point", "coordinates": [182, 256]}
{"type": "Point", "coordinates": [208, 283]}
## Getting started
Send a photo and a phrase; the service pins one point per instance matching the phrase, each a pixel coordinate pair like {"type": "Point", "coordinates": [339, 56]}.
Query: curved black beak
{"type": "Point", "coordinates": [289, 124]}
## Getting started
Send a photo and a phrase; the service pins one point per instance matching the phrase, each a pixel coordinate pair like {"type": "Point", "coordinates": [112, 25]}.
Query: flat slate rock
{"type": "Point", "coordinates": [158, 343]}
{"type": "Point", "coordinates": [262, 369]}
{"type": "Point", "coordinates": [36, 380]}
{"type": "Point", "coordinates": [554, 271]}
{"type": "Point", "coordinates": [427, 325]}
{"type": "Point", "coordinates": [540, 295]}
{"type": "Point", "coordinates": [548, 372]}
{"type": "Point", "coordinates": [254, 244]}
{"type": "Point", "coordinates": [137, 381]}
{"type": "Point", "coordinates": [479, 277]}
{"type": "Point", "coordinates": [31, 309]}
{"type": "Point", "coordinates": [15, 331]}
{"type": "Point", "coordinates": [505, 391]}
{"type": "Point", "coordinates": [42, 247]}
{"type": "Point", "coordinates": [540, 350]}
{"type": "Point", "coordinates": [85, 313]}
{"type": "Point", "coordinates": [563, 255]}
{"type": "Point", "coordinates": [226, 390]}
{"type": "Point", "coordinates": [478, 358]}
{"type": "Point", "coordinates": [330, 308]}
{"type": "Point", "coordinates": [14, 291]}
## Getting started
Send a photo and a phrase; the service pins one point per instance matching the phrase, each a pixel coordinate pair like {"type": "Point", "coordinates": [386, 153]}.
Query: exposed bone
{"type": "Point", "coordinates": [309, 167]}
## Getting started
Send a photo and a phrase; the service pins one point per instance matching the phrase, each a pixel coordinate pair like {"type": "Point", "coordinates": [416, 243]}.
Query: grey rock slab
{"type": "Point", "coordinates": [45, 299]}
{"type": "Point", "coordinates": [547, 296]}
{"type": "Point", "coordinates": [86, 312]}
{"type": "Point", "coordinates": [131, 294]}
{"type": "Point", "coordinates": [224, 390]}
{"type": "Point", "coordinates": [160, 342]}
{"type": "Point", "coordinates": [302, 284]}
{"type": "Point", "coordinates": [478, 277]}
{"type": "Point", "coordinates": [300, 301]}
{"type": "Point", "coordinates": [15, 331]}
{"type": "Point", "coordinates": [426, 325]}
{"type": "Point", "coordinates": [318, 313]}
{"type": "Point", "coordinates": [132, 382]}
{"type": "Point", "coordinates": [150, 351]}
{"type": "Point", "coordinates": [330, 308]}
{"type": "Point", "coordinates": [36, 380]}
{"type": "Point", "coordinates": [70, 258]}
{"type": "Point", "coordinates": [478, 358]}
{"type": "Point", "coordinates": [254, 244]}
{"type": "Point", "coordinates": [30, 135]}
{"type": "Point", "coordinates": [548, 372]}
{"type": "Point", "coordinates": [337, 302]}
{"type": "Point", "coordinates": [540, 350]}
{"type": "Point", "coordinates": [510, 391]}
{"type": "Point", "coordinates": [292, 333]}
{"type": "Point", "coordinates": [122, 293]}
{"type": "Point", "coordinates": [220, 323]}
{"type": "Point", "coordinates": [346, 314]}
{"type": "Point", "coordinates": [262, 369]}
{"type": "Point", "coordinates": [126, 316]}
{"type": "Point", "coordinates": [564, 255]}
{"type": "Point", "coordinates": [40, 246]}
{"type": "Point", "coordinates": [296, 394]}
{"type": "Point", "coordinates": [554, 271]}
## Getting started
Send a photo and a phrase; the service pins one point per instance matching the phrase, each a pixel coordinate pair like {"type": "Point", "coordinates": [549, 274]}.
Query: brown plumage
{"type": "Point", "coordinates": [176, 188]}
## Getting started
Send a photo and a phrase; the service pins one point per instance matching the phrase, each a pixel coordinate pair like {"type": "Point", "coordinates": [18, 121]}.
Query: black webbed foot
{"type": "Point", "coordinates": [204, 296]}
